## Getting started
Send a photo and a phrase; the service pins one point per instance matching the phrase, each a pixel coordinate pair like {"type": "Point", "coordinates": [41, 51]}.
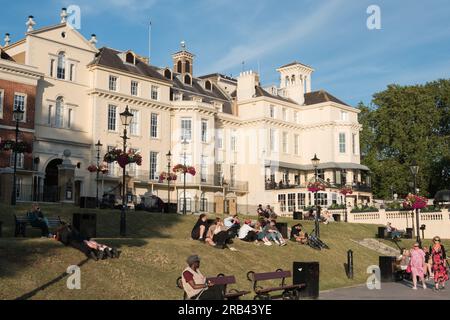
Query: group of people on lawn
{"type": "Point", "coordinates": [219, 233]}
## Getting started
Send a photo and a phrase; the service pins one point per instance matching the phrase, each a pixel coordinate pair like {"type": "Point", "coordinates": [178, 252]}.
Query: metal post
{"type": "Point", "coordinates": [350, 264]}
{"type": "Point", "coordinates": [184, 185]}
{"type": "Point", "coordinates": [168, 186]}
{"type": "Point", "coordinates": [123, 222]}
{"type": "Point", "coordinates": [317, 226]}
{"type": "Point", "coordinates": [345, 208]}
{"type": "Point", "coordinates": [98, 167]}
{"type": "Point", "coordinates": [14, 189]}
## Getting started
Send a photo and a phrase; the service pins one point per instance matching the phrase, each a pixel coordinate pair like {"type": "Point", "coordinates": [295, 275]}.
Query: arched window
{"type": "Point", "coordinates": [287, 81]}
{"type": "Point", "coordinates": [61, 70]}
{"type": "Point", "coordinates": [168, 74]}
{"type": "Point", "coordinates": [208, 85]}
{"type": "Point", "coordinates": [187, 79]}
{"type": "Point", "coordinates": [129, 58]}
{"type": "Point", "coordinates": [179, 67]}
{"type": "Point", "coordinates": [59, 112]}
{"type": "Point", "coordinates": [187, 67]}
{"type": "Point", "coordinates": [293, 80]}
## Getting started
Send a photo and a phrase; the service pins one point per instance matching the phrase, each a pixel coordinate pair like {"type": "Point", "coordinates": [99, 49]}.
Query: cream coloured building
{"type": "Point", "coordinates": [253, 143]}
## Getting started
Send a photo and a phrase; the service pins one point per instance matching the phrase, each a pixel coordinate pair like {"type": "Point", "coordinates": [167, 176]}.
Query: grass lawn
{"type": "Point", "coordinates": [154, 255]}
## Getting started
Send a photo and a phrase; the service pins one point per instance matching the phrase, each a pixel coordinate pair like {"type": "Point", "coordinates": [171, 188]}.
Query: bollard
{"type": "Point", "coordinates": [350, 264]}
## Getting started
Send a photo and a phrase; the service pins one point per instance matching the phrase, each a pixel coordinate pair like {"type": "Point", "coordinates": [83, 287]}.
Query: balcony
{"type": "Point", "coordinates": [358, 186]}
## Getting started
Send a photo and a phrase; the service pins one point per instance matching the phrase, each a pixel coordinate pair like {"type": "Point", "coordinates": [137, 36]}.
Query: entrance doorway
{"type": "Point", "coordinates": [51, 192]}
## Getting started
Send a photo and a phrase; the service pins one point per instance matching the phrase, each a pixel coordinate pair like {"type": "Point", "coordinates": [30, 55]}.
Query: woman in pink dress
{"type": "Point", "coordinates": [417, 262]}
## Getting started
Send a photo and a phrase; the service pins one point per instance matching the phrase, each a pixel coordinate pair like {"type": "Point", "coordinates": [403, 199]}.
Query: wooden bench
{"type": "Point", "coordinates": [289, 292]}
{"type": "Point", "coordinates": [221, 279]}
{"type": "Point", "coordinates": [21, 223]}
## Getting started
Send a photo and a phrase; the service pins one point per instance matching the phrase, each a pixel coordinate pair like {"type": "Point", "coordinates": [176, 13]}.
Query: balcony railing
{"type": "Point", "coordinates": [271, 185]}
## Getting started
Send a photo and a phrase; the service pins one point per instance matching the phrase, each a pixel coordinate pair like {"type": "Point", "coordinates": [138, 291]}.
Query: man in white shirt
{"type": "Point", "coordinates": [247, 232]}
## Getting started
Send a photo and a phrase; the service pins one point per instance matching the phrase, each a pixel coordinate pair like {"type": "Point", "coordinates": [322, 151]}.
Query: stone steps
{"type": "Point", "coordinates": [377, 246]}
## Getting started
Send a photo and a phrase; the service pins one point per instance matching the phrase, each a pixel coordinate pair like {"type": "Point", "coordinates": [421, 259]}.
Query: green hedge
{"type": "Point", "coordinates": [366, 209]}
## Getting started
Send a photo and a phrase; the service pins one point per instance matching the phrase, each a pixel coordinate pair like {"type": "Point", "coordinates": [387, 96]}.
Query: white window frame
{"type": "Point", "coordinates": [20, 160]}
{"type": "Point", "coordinates": [137, 88]}
{"type": "Point", "coordinates": [185, 130]}
{"type": "Point", "coordinates": [61, 113]}
{"type": "Point", "coordinates": [52, 63]}
{"type": "Point", "coordinates": [135, 129]}
{"type": "Point", "coordinates": [296, 144]}
{"type": "Point", "coordinates": [70, 114]}
{"type": "Point", "coordinates": [344, 115]}
{"type": "Point", "coordinates": [153, 126]}
{"type": "Point", "coordinates": [273, 140]}
{"type": "Point", "coordinates": [153, 165]}
{"type": "Point", "coordinates": [72, 72]}
{"type": "Point", "coordinates": [24, 95]}
{"type": "Point", "coordinates": [354, 148]}
{"type": "Point", "coordinates": [154, 90]}
{"type": "Point", "coordinates": [272, 113]}
{"type": "Point", "coordinates": [233, 141]}
{"type": "Point", "coordinates": [219, 138]}
{"type": "Point", "coordinates": [115, 118]}
{"type": "Point", "coordinates": [204, 169]}
{"type": "Point", "coordinates": [296, 117]}
{"type": "Point", "coordinates": [112, 167]}
{"type": "Point", "coordinates": [116, 87]}
{"type": "Point", "coordinates": [285, 141]}
{"type": "Point", "coordinates": [285, 114]}
{"type": "Point", "coordinates": [342, 143]}
{"type": "Point", "coordinates": [177, 96]}
{"type": "Point", "coordinates": [204, 130]}
{"type": "Point", "coordinates": [64, 66]}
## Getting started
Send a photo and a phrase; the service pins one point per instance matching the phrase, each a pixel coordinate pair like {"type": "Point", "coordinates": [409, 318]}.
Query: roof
{"type": "Point", "coordinates": [260, 92]}
{"type": "Point", "coordinates": [5, 56]}
{"type": "Point", "coordinates": [325, 165]}
{"type": "Point", "coordinates": [321, 96]}
{"type": "Point", "coordinates": [110, 58]}
{"type": "Point", "coordinates": [293, 64]}
{"type": "Point", "coordinates": [197, 89]}
{"type": "Point", "coordinates": [216, 75]}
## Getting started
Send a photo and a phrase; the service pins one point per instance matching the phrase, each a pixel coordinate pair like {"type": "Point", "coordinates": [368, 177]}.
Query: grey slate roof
{"type": "Point", "coordinates": [321, 96]}
{"type": "Point", "coordinates": [5, 56]}
{"type": "Point", "coordinates": [294, 63]}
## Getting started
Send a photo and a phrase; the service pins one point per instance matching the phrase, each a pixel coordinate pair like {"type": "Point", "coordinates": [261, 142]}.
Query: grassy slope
{"type": "Point", "coordinates": [155, 254]}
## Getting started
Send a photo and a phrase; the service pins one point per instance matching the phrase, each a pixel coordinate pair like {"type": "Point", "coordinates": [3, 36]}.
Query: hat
{"type": "Point", "coordinates": [191, 259]}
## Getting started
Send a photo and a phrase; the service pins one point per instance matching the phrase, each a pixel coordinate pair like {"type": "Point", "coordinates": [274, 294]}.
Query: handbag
{"type": "Point", "coordinates": [408, 268]}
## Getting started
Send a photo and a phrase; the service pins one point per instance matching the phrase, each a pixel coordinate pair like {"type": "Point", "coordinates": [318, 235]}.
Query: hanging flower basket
{"type": "Point", "coordinates": [167, 176]}
{"type": "Point", "coordinates": [413, 201]}
{"type": "Point", "coordinates": [316, 186]}
{"type": "Point", "coordinates": [101, 168]}
{"type": "Point", "coordinates": [179, 168]}
{"type": "Point", "coordinates": [346, 191]}
{"type": "Point", "coordinates": [19, 147]}
{"type": "Point", "coordinates": [122, 158]}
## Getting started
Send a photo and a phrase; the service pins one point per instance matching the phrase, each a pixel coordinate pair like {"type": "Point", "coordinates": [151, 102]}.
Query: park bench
{"type": "Point", "coordinates": [21, 223]}
{"type": "Point", "coordinates": [289, 292]}
{"type": "Point", "coordinates": [221, 279]}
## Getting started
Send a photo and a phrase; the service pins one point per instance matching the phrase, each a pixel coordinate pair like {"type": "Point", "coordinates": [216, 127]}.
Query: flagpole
{"type": "Point", "coordinates": [149, 41]}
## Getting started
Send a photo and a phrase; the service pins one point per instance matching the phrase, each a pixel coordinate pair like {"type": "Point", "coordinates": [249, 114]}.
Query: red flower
{"type": "Point", "coordinates": [316, 186]}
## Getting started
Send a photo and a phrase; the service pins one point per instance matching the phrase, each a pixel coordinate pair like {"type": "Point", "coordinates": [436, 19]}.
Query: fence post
{"type": "Point", "coordinates": [350, 264]}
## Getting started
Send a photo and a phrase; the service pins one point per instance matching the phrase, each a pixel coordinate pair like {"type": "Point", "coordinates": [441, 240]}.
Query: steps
{"type": "Point", "coordinates": [378, 246]}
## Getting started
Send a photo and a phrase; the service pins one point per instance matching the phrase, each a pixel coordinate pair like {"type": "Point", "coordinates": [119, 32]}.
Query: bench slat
{"type": "Point", "coordinates": [223, 280]}
{"type": "Point", "coordinates": [271, 275]}
{"type": "Point", "coordinates": [288, 287]}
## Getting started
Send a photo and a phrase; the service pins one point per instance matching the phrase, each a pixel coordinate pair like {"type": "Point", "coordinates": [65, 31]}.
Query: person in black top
{"type": "Point", "coordinates": [200, 228]}
{"type": "Point", "coordinates": [69, 236]}
{"type": "Point", "coordinates": [298, 235]}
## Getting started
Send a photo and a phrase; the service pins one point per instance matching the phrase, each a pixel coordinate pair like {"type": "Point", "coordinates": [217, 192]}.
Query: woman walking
{"type": "Point", "coordinates": [439, 267]}
{"type": "Point", "coordinates": [417, 263]}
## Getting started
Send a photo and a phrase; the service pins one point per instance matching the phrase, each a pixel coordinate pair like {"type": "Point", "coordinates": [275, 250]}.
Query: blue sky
{"type": "Point", "coordinates": [351, 61]}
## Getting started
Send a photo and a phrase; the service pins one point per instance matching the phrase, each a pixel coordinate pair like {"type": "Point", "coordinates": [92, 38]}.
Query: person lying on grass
{"type": "Point", "coordinates": [298, 235]}
{"type": "Point", "coordinates": [92, 249]}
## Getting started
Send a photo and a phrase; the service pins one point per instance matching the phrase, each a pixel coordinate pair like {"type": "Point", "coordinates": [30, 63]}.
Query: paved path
{"type": "Point", "coordinates": [389, 291]}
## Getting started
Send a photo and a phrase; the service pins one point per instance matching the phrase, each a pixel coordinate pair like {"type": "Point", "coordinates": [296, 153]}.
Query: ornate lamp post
{"type": "Point", "coordinates": [185, 143]}
{"type": "Point", "coordinates": [99, 146]}
{"type": "Point", "coordinates": [224, 185]}
{"type": "Point", "coordinates": [125, 117]}
{"type": "Point", "coordinates": [315, 162]}
{"type": "Point", "coordinates": [169, 158]}
{"type": "Point", "coordinates": [415, 170]}
{"type": "Point", "coordinates": [17, 116]}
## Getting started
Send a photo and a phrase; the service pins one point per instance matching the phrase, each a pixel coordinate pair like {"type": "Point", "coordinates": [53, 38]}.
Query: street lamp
{"type": "Point", "coordinates": [415, 170]}
{"type": "Point", "coordinates": [224, 185]}
{"type": "Point", "coordinates": [125, 117]}
{"type": "Point", "coordinates": [17, 116]}
{"type": "Point", "coordinates": [184, 143]}
{"type": "Point", "coordinates": [169, 158]}
{"type": "Point", "coordinates": [99, 146]}
{"type": "Point", "coordinates": [315, 162]}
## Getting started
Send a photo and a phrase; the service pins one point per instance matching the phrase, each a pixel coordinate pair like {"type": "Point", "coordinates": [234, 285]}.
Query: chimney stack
{"type": "Point", "coordinates": [7, 39]}
{"type": "Point", "coordinates": [30, 23]}
{"type": "Point", "coordinates": [93, 40]}
{"type": "Point", "coordinates": [63, 15]}
{"type": "Point", "coordinates": [247, 81]}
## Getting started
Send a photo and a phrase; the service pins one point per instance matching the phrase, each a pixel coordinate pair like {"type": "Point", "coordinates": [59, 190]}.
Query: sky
{"type": "Point", "coordinates": [350, 60]}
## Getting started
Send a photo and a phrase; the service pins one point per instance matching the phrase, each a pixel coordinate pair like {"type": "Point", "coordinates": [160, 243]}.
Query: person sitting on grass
{"type": "Point", "coordinates": [298, 235]}
{"type": "Point", "coordinates": [217, 235]}
{"type": "Point", "coordinates": [200, 228]}
{"type": "Point", "coordinates": [326, 217]}
{"type": "Point", "coordinates": [273, 234]}
{"type": "Point", "coordinates": [195, 284]}
{"type": "Point", "coordinates": [92, 249]}
{"type": "Point", "coordinates": [261, 212]}
{"type": "Point", "coordinates": [247, 233]}
{"type": "Point", "coordinates": [37, 220]}
{"type": "Point", "coordinates": [262, 235]}
{"type": "Point", "coordinates": [395, 233]}
{"type": "Point", "coordinates": [233, 224]}
{"type": "Point", "coordinates": [272, 215]}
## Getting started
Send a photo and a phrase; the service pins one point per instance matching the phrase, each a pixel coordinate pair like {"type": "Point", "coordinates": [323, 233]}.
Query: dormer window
{"type": "Point", "coordinates": [168, 74]}
{"type": "Point", "coordinates": [129, 58]}
{"type": "Point", "coordinates": [188, 80]}
{"type": "Point", "coordinates": [208, 85]}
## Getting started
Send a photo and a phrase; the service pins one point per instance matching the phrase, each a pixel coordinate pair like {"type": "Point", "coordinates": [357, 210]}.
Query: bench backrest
{"type": "Point", "coordinates": [223, 280]}
{"type": "Point", "coordinates": [271, 275]}
{"type": "Point", "coordinates": [51, 220]}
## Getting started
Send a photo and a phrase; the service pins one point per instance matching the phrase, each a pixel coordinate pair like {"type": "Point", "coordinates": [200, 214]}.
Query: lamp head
{"type": "Point", "coordinates": [414, 167]}
{"type": "Point", "coordinates": [315, 161]}
{"type": "Point", "coordinates": [126, 117]}
{"type": "Point", "coordinates": [18, 114]}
